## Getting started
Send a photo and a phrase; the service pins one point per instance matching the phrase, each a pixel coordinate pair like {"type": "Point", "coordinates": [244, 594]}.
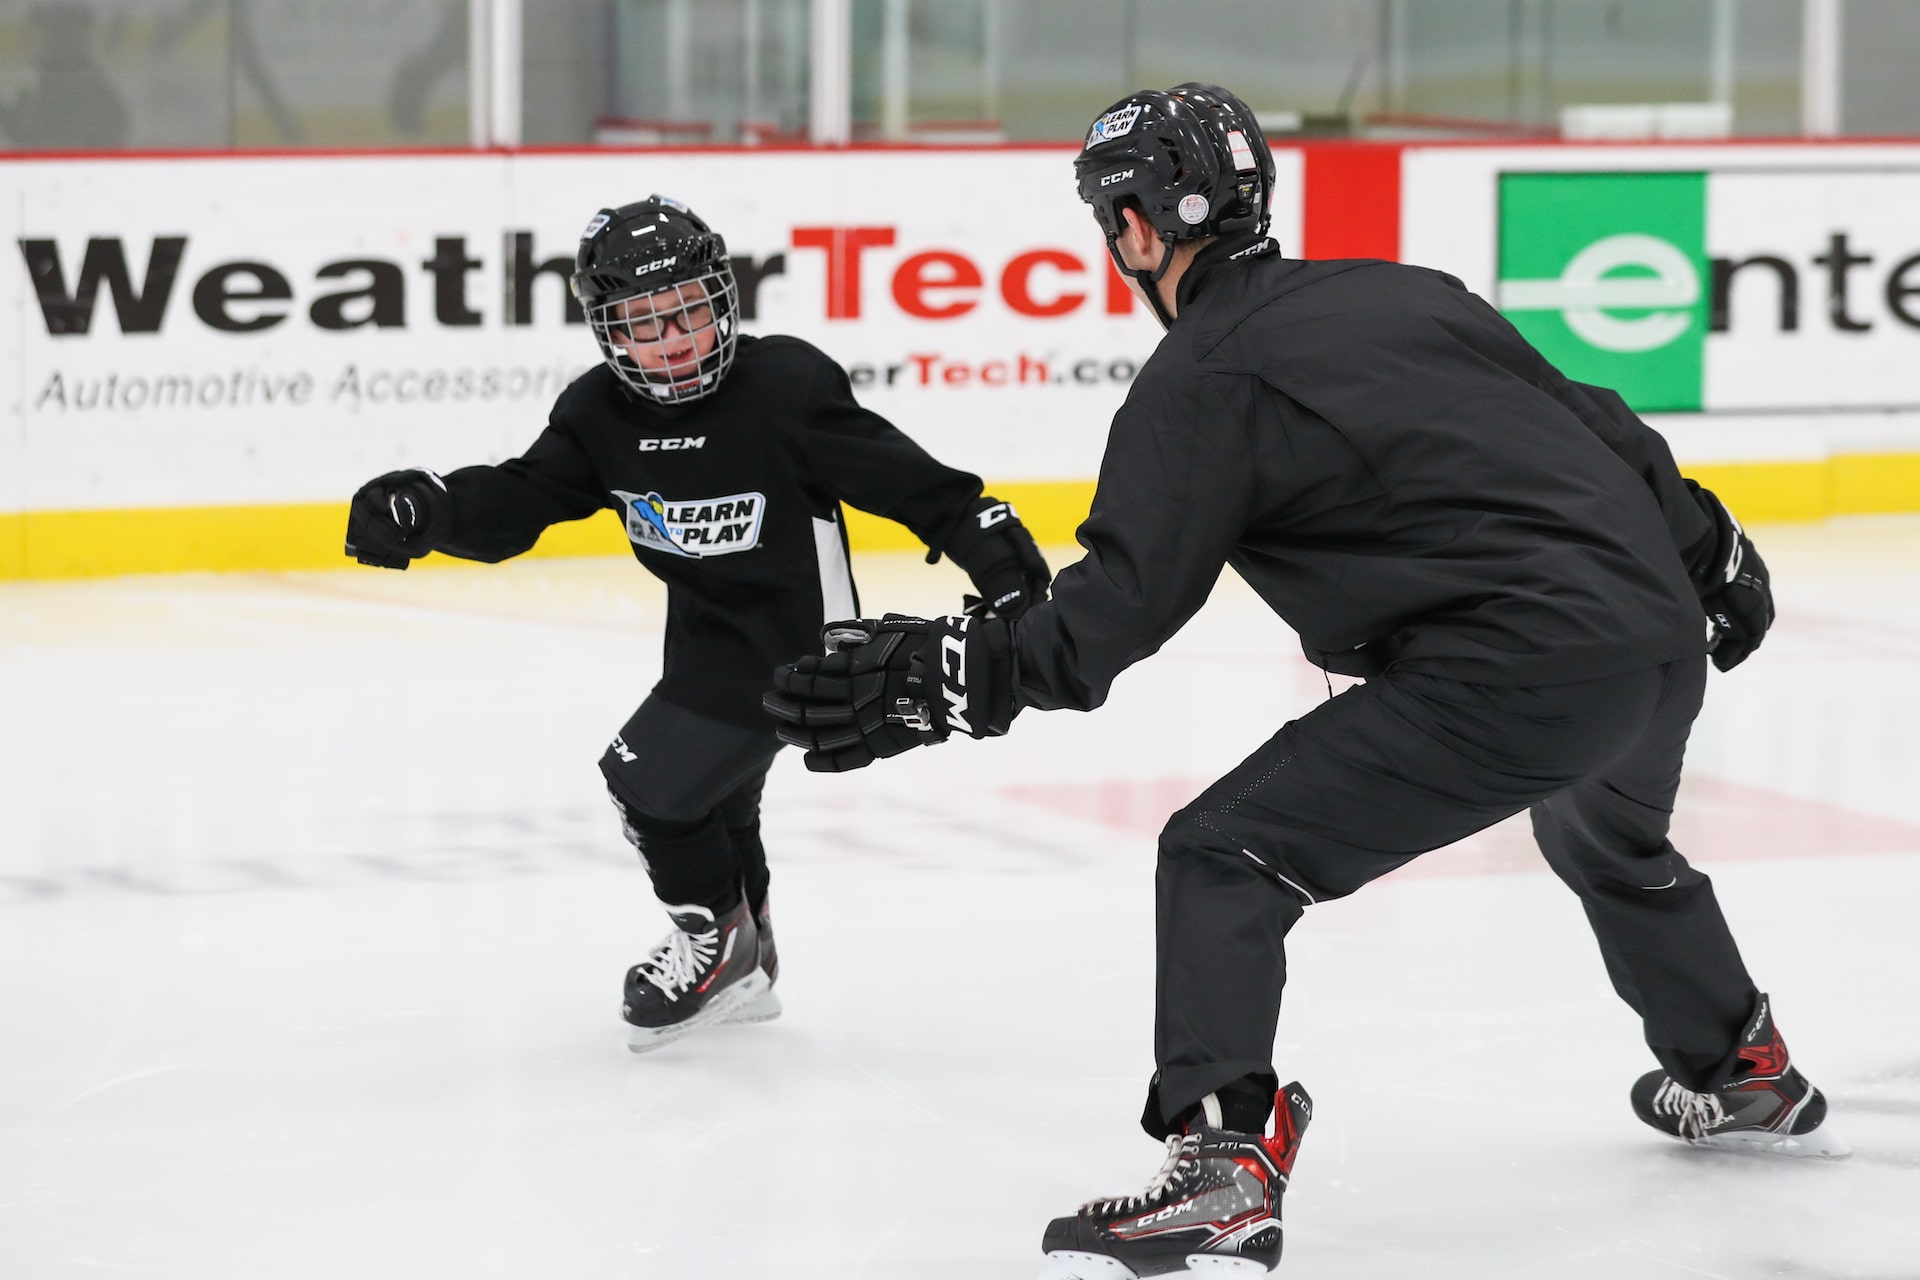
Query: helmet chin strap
{"type": "Point", "coordinates": [1149, 279]}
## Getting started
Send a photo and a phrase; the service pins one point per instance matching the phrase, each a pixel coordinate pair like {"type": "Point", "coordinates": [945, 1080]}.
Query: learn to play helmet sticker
{"type": "Point", "coordinates": [1116, 123]}
{"type": "Point", "coordinates": [1193, 208]}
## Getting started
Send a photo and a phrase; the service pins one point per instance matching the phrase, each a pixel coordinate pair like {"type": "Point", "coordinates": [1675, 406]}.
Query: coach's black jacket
{"type": "Point", "coordinates": [1388, 464]}
{"type": "Point", "coordinates": [733, 500]}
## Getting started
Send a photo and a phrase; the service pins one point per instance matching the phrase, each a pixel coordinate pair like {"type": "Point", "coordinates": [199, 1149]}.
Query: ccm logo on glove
{"type": "Point", "coordinates": [993, 515]}
{"type": "Point", "coordinates": [953, 665]}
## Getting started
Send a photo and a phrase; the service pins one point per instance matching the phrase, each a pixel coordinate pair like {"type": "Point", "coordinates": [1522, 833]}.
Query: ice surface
{"type": "Point", "coordinates": [313, 917]}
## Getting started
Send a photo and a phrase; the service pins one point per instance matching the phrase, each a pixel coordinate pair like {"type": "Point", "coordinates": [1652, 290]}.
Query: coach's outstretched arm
{"type": "Point", "coordinates": [1736, 591]}
{"type": "Point", "coordinates": [1175, 493]}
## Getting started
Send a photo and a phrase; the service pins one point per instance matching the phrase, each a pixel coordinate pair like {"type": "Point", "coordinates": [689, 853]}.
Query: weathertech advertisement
{"type": "Point", "coordinates": [277, 329]}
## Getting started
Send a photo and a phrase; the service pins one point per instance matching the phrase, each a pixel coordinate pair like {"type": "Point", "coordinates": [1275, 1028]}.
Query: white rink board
{"type": "Point", "coordinates": [296, 412]}
{"type": "Point", "coordinates": [1015, 376]}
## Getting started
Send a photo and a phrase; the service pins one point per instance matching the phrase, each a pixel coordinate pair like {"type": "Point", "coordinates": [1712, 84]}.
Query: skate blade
{"type": "Point", "coordinates": [1067, 1264]}
{"type": "Point", "coordinates": [743, 995]}
{"type": "Point", "coordinates": [1821, 1144]}
{"type": "Point", "coordinates": [764, 1007]}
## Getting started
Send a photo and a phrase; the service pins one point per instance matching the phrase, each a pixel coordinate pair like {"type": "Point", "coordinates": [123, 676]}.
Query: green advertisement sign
{"type": "Point", "coordinates": [1606, 273]}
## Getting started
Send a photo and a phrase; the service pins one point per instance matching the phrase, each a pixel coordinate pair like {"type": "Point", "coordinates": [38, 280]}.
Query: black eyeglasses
{"type": "Point", "coordinates": [687, 320]}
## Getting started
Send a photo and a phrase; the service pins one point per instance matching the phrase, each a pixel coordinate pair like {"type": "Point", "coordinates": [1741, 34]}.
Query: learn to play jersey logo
{"type": "Point", "coordinates": [694, 528]}
{"type": "Point", "coordinates": [1607, 274]}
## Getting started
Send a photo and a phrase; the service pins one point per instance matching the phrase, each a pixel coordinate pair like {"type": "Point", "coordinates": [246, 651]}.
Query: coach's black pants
{"type": "Point", "coordinates": [1407, 763]}
{"type": "Point", "coordinates": [688, 791]}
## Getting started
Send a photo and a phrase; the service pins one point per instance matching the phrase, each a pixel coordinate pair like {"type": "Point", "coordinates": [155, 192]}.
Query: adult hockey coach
{"type": "Point", "coordinates": [1509, 558]}
{"type": "Point", "coordinates": [727, 457]}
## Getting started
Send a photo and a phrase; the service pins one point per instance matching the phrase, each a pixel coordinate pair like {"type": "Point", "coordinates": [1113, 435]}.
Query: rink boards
{"type": "Point", "coordinates": [208, 354]}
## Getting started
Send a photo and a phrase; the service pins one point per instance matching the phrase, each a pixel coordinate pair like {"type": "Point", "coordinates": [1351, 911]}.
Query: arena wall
{"type": "Point", "coordinates": [208, 353]}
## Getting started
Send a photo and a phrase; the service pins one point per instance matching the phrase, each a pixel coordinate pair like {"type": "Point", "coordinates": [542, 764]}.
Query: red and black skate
{"type": "Point", "coordinates": [1767, 1106]}
{"type": "Point", "coordinates": [707, 971]}
{"type": "Point", "coordinates": [1213, 1209]}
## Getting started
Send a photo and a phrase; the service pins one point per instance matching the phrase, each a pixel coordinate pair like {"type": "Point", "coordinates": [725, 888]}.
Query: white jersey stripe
{"type": "Point", "coordinates": [836, 575]}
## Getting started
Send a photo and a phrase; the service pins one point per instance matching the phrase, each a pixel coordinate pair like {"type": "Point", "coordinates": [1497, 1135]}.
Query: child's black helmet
{"type": "Point", "coordinates": [658, 249]}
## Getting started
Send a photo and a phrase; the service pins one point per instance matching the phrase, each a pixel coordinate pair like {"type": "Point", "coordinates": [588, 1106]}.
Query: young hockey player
{"type": "Point", "coordinates": [728, 457]}
{"type": "Point", "coordinates": [1510, 559]}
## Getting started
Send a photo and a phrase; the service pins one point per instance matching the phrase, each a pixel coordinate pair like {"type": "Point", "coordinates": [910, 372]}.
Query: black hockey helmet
{"type": "Point", "coordinates": [1192, 160]}
{"type": "Point", "coordinates": [661, 252]}
{"type": "Point", "coordinates": [1253, 168]}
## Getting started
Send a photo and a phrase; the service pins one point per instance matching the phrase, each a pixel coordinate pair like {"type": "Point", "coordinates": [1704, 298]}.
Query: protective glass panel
{"type": "Point", "coordinates": [707, 71]}
{"type": "Point", "coordinates": [112, 74]}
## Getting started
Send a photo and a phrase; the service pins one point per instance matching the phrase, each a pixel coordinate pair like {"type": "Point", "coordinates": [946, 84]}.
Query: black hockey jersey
{"type": "Point", "coordinates": [1388, 464]}
{"type": "Point", "coordinates": [732, 500]}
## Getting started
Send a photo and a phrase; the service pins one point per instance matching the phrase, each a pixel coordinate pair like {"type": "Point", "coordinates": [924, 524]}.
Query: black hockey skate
{"type": "Point", "coordinates": [1212, 1210]}
{"type": "Point", "coordinates": [705, 972]}
{"type": "Point", "coordinates": [1768, 1106]}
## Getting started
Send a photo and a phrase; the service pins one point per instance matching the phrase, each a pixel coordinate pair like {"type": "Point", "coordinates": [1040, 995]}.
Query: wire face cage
{"type": "Point", "coordinates": [674, 344]}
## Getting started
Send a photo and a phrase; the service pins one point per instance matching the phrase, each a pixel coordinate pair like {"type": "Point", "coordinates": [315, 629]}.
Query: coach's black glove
{"type": "Point", "coordinates": [1735, 588]}
{"type": "Point", "coordinates": [1741, 611]}
{"type": "Point", "coordinates": [996, 551]}
{"type": "Point", "coordinates": [890, 685]}
{"type": "Point", "coordinates": [398, 518]}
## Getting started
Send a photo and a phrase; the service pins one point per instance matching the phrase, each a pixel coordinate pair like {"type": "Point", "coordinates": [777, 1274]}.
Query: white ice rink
{"type": "Point", "coordinates": [313, 917]}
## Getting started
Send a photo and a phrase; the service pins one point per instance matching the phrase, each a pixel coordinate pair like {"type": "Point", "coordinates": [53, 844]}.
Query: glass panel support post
{"type": "Point", "coordinates": [1820, 68]}
{"type": "Point", "coordinates": [494, 75]}
{"type": "Point", "coordinates": [830, 75]}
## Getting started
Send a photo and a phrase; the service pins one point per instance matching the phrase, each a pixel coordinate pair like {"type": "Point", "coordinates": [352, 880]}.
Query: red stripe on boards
{"type": "Point", "coordinates": [1352, 200]}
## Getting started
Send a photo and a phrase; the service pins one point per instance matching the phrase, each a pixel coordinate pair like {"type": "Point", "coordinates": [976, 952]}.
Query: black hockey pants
{"type": "Point", "coordinates": [688, 790]}
{"type": "Point", "coordinates": [1407, 763]}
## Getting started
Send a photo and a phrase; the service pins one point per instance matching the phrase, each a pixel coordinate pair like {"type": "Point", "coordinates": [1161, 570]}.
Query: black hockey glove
{"type": "Point", "coordinates": [887, 686]}
{"type": "Point", "coordinates": [1741, 611]}
{"type": "Point", "coordinates": [996, 551]}
{"type": "Point", "coordinates": [398, 518]}
{"type": "Point", "coordinates": [1735, 588]}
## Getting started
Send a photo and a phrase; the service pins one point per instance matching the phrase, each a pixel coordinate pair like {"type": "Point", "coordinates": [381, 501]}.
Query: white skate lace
{"type": "Point", "coordinates": [679, 961]}
{"type": "Point", "coordinates": [1179, 1148]}
{"type": "Point", "coordinates": [1698, 1113]}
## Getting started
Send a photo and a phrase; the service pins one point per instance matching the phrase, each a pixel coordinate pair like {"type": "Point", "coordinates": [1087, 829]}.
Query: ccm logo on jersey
{"type": "Point", "coordinates": [679, 442]}
{"type": "Point", "coordinates": [694, 528]}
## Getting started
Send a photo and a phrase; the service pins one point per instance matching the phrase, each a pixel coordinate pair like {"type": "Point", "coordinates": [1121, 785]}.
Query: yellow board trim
{"type": "Point", "coordinates": [1870, 483]}
{"type": "Point", "coordinates": [1759, 492]}
{"type": "Point", "coordinates": [86, 544]}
